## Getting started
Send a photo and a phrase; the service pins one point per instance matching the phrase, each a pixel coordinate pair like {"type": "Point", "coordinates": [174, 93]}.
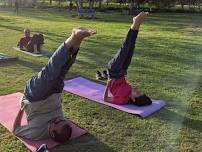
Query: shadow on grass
{"type": "Point", "coordinates": [86, 143]}
{"type": "Point", "coordinates": [48, 35]}
{"type": "Point", "coordinates": [181, 53]}
{"type": "Point", "coordinates": [60, 16]}
{"type": "Point", "coordinates": [32, 65]}
{"type": "Point", "coordinates": [173, 117]}
{"type": "Point", "coordinates": [184, 112]}
{"type": "Point", "coordinates": [12, 27]}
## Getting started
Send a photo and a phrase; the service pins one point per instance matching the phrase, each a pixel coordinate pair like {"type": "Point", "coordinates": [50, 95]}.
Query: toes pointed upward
{"type": "Point", "coordinates": [83, 32]}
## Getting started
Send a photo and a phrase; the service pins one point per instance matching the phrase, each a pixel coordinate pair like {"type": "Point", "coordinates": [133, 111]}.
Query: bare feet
{"type": "Point", "coordinates": [81, 32]}
{"type": "Point", "coordinates": [78, 34]}
{"type": "Point", "coordinates": [137, 20]}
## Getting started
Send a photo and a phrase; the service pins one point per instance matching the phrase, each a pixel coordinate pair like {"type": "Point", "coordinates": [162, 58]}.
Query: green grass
{"type": "Point", "coordinates": [166, 65]}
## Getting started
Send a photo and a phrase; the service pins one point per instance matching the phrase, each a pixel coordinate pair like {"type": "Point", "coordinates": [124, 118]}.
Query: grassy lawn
{"type": "Point", "coordinates": [167, 65]}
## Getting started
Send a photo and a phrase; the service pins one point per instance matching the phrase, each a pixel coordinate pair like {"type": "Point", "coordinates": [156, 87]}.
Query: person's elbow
{"type": "Point", "coordinates": [15, 126]}
{"type": "Point", "coordinates": [107, 99]}
{"type": "Point", "coordinates": [104, 99]}
{"type": "Point", "coordinates": [13, 130]}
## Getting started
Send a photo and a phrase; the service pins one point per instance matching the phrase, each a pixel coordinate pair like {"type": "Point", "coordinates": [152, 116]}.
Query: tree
{"type": "Point", "coordinates": [100, 4]}
{"type": "Point", "coordinates": [34, 3]}
{"type": "Point", "coordinates": [182, 3]}
{"type": "Point", "coordinates": [79, 4]}
{"type": "Point", "coordinates": [131, 9]}
{"type": "Point", "coordinates": [135, 4]}
{"type": "Point", "coordinates": [163, 3]}
{"type": "Point", "coordinates": [10, 3]}
{"type": "Point", "coordinates": [91, 4]}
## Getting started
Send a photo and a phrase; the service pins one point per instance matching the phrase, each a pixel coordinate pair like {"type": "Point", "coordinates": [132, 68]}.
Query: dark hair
{"type": "Point", "coordinates": [142, 100]}
{"type": "Point", "coordinates": [60, 130]}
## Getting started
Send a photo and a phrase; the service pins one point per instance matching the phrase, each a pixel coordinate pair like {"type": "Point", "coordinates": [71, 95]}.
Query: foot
{"type": "Point", "coordinates": [137, 20]}
{"type": "Point", "coordinates": [81, 32]}
{"type": "Point", "coordinates": [105, 75]}
{"type": "Point", "coordinates": [99, 75]}
{"type": "Point", "coordinates": [78, 34]}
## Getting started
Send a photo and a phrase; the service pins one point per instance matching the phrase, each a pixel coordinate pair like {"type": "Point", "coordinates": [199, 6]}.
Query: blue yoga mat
{"type": "Point", "coordinates": [5, 58]}
{"type": "Point", "coordinates": [43, 53]}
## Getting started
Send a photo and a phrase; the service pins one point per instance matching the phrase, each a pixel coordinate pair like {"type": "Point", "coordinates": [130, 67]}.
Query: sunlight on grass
{"type": "Point", "coordinates": [166, 65]}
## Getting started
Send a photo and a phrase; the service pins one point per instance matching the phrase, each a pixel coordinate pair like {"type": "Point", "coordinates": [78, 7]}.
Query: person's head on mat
{"type": "Point", "coordinates": [60, 130]}
{"type": "Point", "coordinates": [138, 98]}
{"type": "Point", "coordinates": [123, 93]}
{"type": "Point", "coordinates": [27, 32]}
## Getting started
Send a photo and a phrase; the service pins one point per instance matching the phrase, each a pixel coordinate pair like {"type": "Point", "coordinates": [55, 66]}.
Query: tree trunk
{"type": "Point", "coordinates": [51, 2]}
{"type": "Point", "coordinates": [80, 4]}
{"type": "Point", "coordinates": [182, 4]}
{"type": "Point", "coordinates": [137, 4]}
{"type": "Point", "coordinates": [59, 3]}
{"type": "Point", "coordinates": [91, 4]}
{"type": "Point", "coordinates": [107, 2]}
{"type": "Point", "coordinates": [34, 3]}
{"type": "Point", "coordinates": [10, 3]}
{"type": "Point", "coordinates": [100, 3]}
{"type": "Point", "coordinates": [131, 7]}
{"type": "Point", "coordinates": [77, 5]}
{"type": "Point", "coordinates": [199, 4]}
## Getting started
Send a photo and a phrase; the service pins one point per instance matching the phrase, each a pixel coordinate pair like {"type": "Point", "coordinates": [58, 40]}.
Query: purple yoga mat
{"type": "Point", "coordinates": [9, 105]}
{"type": "Point", "coordinates": [94, 91]}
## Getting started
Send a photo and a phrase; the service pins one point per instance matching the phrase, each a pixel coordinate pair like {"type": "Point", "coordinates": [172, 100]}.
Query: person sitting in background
{"type": "Point", "coordinates": [22, 44]}
{"type": "Point", "coordinates": [35, 44]}
{"type": "Point", "coordinates": [31, 44]}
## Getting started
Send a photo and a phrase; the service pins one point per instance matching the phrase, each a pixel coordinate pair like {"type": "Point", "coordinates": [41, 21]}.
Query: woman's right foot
{"type": "Point", "coordinates": [137, 20]}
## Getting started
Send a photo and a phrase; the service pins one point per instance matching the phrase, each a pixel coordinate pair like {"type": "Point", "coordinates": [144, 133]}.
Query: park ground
{"type": "Point", "coordinates": [167, 65]}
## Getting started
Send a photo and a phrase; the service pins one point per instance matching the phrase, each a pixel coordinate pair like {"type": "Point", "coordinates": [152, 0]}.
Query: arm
{"type": "Point", "coordinates": [17, 122]}
{"type": "Point", "coordinates": [106, 97]}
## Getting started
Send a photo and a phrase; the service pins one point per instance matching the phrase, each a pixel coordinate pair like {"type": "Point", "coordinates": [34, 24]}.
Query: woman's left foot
{"type": "Point", "coordinates": [99, 75]}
